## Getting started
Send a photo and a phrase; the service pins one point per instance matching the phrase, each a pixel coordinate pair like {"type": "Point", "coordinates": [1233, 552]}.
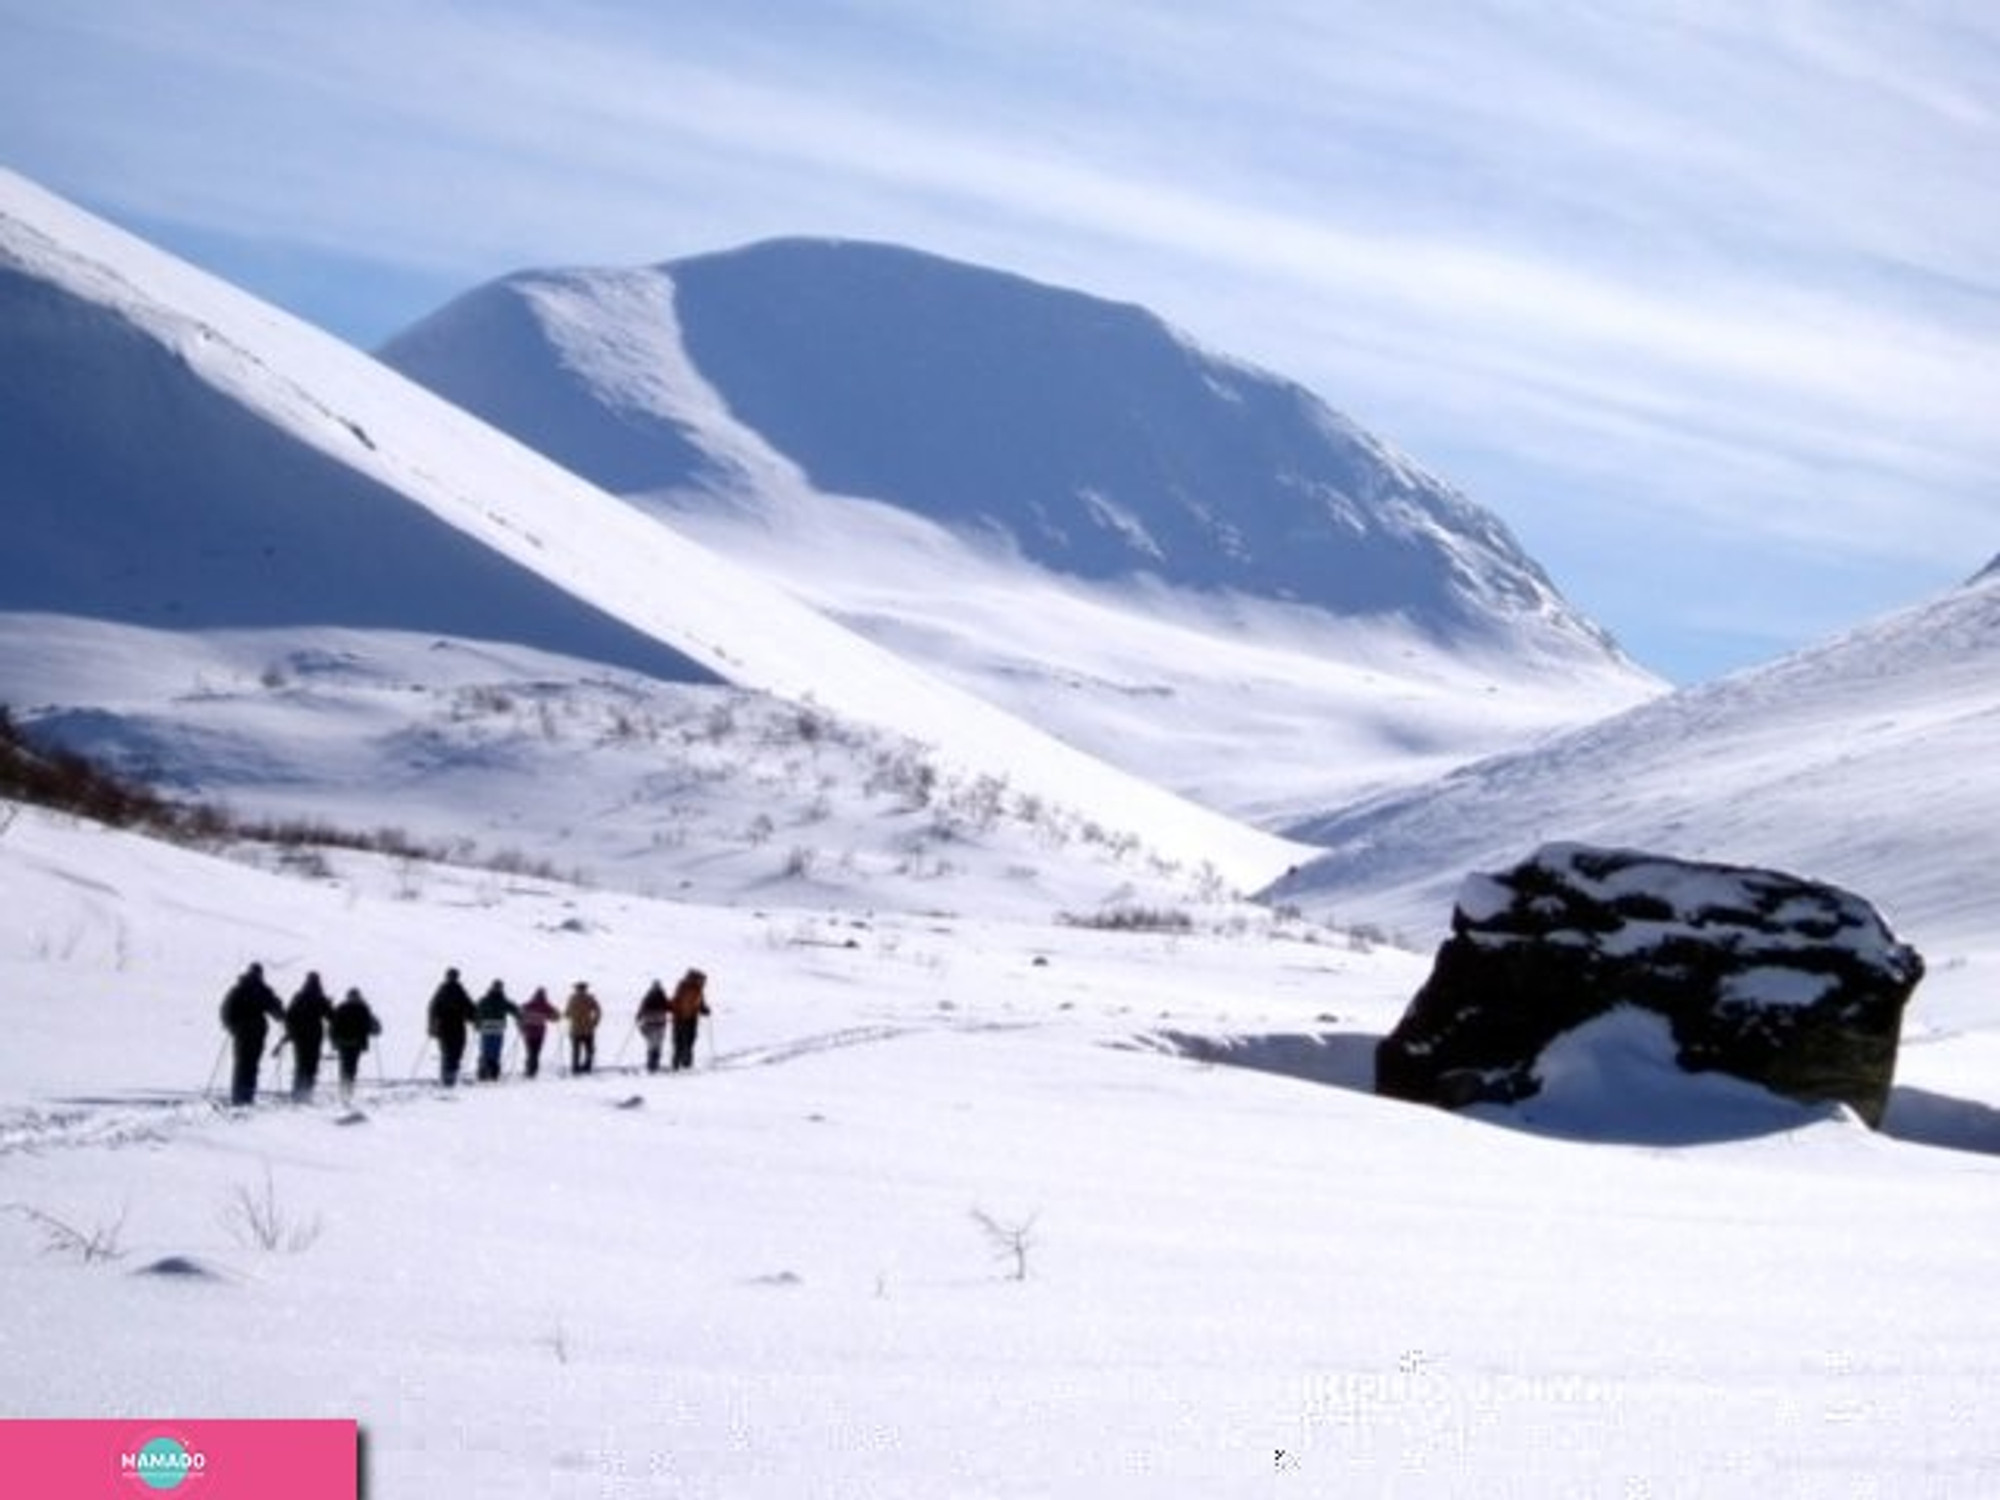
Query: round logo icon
{"type": "Point", "coordinates": [165, 1463]}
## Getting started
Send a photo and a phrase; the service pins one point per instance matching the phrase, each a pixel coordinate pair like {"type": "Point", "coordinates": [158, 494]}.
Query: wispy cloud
{"type": "Point", "coordinates": [1706, 260]}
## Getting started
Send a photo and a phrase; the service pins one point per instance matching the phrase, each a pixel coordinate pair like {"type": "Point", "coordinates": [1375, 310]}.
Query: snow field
{"type": "Point", "coordinates": [767, 1279]}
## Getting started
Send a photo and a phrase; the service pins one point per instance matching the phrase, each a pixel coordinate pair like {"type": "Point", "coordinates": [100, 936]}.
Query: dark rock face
{"type": "Point", "coordinates": [1794, 985]}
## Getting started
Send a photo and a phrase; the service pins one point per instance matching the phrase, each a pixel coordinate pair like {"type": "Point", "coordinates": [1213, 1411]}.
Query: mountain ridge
{"type": "Point", "coordinates": [481, 493]}
{"type": "Point", "coordinates": [1086, 434]}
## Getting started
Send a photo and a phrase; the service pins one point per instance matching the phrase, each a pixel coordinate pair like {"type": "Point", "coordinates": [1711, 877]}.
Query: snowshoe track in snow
{"type": "Point", "coordinates": [808, 1046]}
{"type": "Point", "coordinates": [143, 1116]}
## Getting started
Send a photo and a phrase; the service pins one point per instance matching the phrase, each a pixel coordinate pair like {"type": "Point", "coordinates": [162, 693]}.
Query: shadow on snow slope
{"type": "Point", "coordinates": [141, 494]}
{"type": "Point", "coordinates": [1346, 1060]}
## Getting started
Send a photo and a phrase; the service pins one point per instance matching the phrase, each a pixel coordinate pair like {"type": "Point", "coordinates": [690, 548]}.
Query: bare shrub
{"type": "Point", "coordinates": [557, 1343]}
{"type": "Point", "coordinates": [100, 1242]}
{"type": "Point", "coordinates": [905, 773]}
{"type": "Point", "coordinates": [258, 1221]}
{"type": "Point", "coordinates": [1008, 1242]}
{"type": "Point", "coordinates": [312, 864]}
{"type": "Point", "coordinates": [1131, 919]}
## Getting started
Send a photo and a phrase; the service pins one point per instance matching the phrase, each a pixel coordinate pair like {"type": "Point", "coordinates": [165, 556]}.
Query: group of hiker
{"type": "Point", "coordinates": [311, 1021]}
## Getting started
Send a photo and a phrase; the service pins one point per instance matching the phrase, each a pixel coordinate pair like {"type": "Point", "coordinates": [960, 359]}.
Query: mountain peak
{"type": "Point", "coordinates": [1086, 435]}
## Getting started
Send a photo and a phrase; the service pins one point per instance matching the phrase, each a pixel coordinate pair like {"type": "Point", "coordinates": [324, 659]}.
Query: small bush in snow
{"type": "Point", "coordinates": [102, 1241]}
{"type": "Point", "coordinates": [721, 723]}
{"type": "Point", "coordinates": [1365, 937]}
{"type": "Point", "coordinates": [257, 1220]}
{"type": "Point", "coordinates": [1131, 919]}
{"type": "Point", "coordinates": [309, 864]}
{"type": "Point", "coordinates": [557, 1343]}
{"type": "Point", "coordinates": [1009, 1242]}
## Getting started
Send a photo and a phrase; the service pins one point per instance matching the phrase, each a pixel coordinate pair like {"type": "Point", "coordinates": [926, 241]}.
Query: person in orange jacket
{"type": "Point", "coordinates": [689, 1005]}
{"type": "Point", "coordinates": [583, 1013]}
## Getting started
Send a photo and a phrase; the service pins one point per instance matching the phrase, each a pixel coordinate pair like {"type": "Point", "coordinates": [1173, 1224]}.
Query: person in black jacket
{"type": "Point", "coordinates": [247, 1011]}
{"type": "Point", "coordinates": [654, 1009]}
{"type": "Point", "coordinates": [352, 1025]}
{"type": "Point", "coordinates": [305, 1030]}
{"type": "Point", "coordinates": [452, 1016]}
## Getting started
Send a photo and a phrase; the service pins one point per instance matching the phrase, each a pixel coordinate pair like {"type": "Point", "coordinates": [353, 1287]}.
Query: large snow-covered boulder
{"type": "Point", "coordinates": [1785, 982]}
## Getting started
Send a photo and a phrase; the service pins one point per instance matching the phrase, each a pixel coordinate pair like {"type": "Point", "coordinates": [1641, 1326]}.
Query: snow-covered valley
{"type": "Point", "coordinates": [1024, 1154]}
{"type": "Point", "coordinates": [766, 1277]}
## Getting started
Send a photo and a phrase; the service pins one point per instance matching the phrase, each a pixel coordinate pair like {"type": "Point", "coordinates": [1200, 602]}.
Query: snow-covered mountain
{"type": "Point", "coordinates": [958, 1199]}
{"type": "Point", "coordinates": [1868, 761]}
{"type": "Point", "coordinates": [1186, 565]}
{"type": "Point", "coordinates": [1086, 434]}
{"type": "Point", "coordinates": [181, 455]}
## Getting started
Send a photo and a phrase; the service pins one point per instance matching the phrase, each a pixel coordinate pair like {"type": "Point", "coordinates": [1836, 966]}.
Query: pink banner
{"type": "Point", "coordinates": [195, 1460]}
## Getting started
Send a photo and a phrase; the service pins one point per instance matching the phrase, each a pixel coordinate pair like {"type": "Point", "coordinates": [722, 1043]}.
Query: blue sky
{"type": "Point", "coordinates": [1702, 298]}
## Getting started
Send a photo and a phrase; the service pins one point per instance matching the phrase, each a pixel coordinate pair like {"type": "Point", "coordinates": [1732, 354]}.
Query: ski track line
{"type": "Point", "coordinates": [154, 1116]}
{"type": "Point", "coordinates": [808, 1046]}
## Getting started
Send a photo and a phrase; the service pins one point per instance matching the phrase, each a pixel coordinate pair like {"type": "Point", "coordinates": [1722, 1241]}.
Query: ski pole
{"type": "Point", "coordinates": [630, 1032]}
{"type": "Point", "coordinates": [208, 1089]}
{"type": "Point", "coordinates": [416, 1062]}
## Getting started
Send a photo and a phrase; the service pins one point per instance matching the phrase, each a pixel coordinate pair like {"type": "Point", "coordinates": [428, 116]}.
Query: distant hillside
{"type": "Point", "coordinates": [1868, 761]}
{"type": "Point", "coordinates": [1087, 435]}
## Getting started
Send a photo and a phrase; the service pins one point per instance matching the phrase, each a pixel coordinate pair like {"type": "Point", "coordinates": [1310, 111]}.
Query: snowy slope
{"type": "Point", "coordinates": [1264, 710]}
{"type": "Point", "coordinates": [497, 754]}
{"type": "Point", "coordinates": [297, 479]}
{"type": "Point", "coordinates": [1868, 761]}
{"type": "Point", "coordinates": [766, 1280]}
{"type": "Point", "coordinates": [1187, 566]}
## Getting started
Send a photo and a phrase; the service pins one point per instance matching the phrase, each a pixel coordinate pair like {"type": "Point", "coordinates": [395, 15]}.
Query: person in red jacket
{"type": "Point", "coordinates": [536, 1018]}
{"type": "Point", "coordinates": [689, 1005]}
